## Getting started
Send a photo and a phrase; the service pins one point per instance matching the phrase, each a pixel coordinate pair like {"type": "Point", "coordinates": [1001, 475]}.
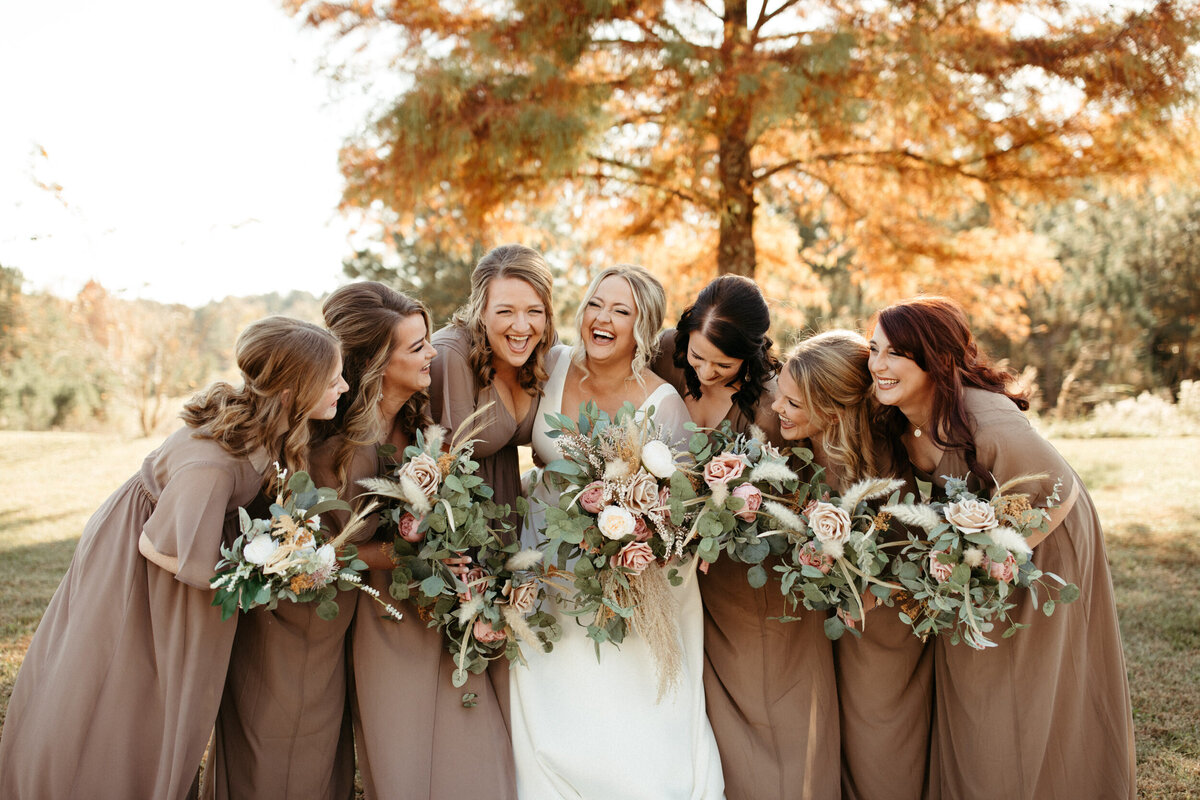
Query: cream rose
{"type": "Point", "coordinates": [642, 494]}
{"type": "Point", "coordinates": [635, 557]}
{"type": "Point", "coordinates": [591, 499]}
{"type": "Point", "coordinates": [657, 459]}
{"type": "Point", "coordinates": [260, 549]}
{"type": "Point", "coordinates": [828, 522]}
{"type": "Point", "coordinates": [971, 515]}
{"type": "Point", "coordinates": [423, 471]}
{"type": "Point", "coordinates": [521, 597]}
{"type": "Point", "coordinates": [722, 469]}
{"type": "Point", "coordinates": [753, 498]}
{"type": "Point", "coordinates": [615, 522]}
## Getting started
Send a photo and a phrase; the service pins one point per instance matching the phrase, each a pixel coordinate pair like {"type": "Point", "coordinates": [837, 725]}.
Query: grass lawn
{"type": "Point", "coordinates": [1146, 498]}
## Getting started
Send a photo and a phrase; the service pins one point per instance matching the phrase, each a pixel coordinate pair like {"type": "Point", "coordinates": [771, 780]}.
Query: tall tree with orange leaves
{"type": "Point", "coordinates": [911, 133]}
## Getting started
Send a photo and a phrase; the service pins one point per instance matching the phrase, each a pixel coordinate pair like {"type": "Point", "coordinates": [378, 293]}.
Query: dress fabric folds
{"type": "Point", "coordinates": [1045, 713]}
{"type": "Point", "coordinates": [118, 691]}
{"type": "Point", "coordinates": [588, 726]}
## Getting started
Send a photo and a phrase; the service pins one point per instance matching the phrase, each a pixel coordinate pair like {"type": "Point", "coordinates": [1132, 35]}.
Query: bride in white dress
{"type": "Point", "coordinates": [588, 728]}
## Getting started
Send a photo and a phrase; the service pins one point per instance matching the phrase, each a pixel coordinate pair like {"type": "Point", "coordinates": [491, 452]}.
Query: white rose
{"type": "Point", "coordinates": [657, 459]}
{"type": "Point", "coordinates": [615, 522]}
{"type": "Point", "coordinates": [971, 516]}
{"type": "Point", "coordinates": [326, 556]}
{"type": "Point", "coordinates": [259, 549]}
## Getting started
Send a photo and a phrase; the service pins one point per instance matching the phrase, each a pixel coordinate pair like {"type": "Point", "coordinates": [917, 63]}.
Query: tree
{"type": "Point", "coordinates": [914, 130]}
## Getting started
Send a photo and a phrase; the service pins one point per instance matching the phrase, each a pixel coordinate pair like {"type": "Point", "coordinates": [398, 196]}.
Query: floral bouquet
{"type": "Point", "coordinates": [836, 554]}
{"type": "Point", "coordinates": [745, 478]}
{"type": "Point", "coordinates": [961, 575]}
{"type": "Point", "coordinates": [621, 517]}
{"type": "Point", "coordinates": [441, 509]}
{"type": "Point", "coordinates": [290, 556]}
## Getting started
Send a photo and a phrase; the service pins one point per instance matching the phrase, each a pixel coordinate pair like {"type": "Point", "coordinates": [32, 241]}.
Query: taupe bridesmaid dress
{"type": "Point", "coordinates": [1046, 713]}
{"type": "Point", "coordinates": [769, 687]}
{"type": "Point", "coordinates": [118, 691]}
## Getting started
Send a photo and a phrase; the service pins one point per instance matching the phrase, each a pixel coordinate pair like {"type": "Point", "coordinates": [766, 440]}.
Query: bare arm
{"type": "Point", "coordinates": [151, 554]}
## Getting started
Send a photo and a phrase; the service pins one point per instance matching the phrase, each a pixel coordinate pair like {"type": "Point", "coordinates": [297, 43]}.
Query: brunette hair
{"type": "Point", "coordinates": [651, 301]}
{"type": "Point", "coordinates": [507, 261]}
{"type": "Point", "coordinates": [933, 333]}
{"type": "Point", "coordinates": [831, 372]}
{"type": "Point", "coordinates": [286, 365]}
{"type": "Point", "coordinates": [364, 316]}
{"type": "Point", "coordinates": [732, 314]}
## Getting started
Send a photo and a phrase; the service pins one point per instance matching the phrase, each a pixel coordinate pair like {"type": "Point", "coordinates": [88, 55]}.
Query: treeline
{"type": "Point", "coordinates": [102, 362]}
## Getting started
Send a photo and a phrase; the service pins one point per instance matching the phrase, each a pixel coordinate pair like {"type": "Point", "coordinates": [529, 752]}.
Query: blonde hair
{"type": "Point", "coordinates": [650, 300]}
{"type": "Point", "coordinates": [286, 365]}
{"type": "Point", "coordinates": [364, 316]}
{"type": "Point", "coordinates": [507, 261]}
{"type": "Point", "coordinates": [830, 370]}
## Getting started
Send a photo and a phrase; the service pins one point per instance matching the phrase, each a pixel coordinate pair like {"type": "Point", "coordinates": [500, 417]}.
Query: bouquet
{"type": "Point", "coordinates": [290, 556]}
{"type": "Point", "coordinates": [620, 519]}
{"type": "Point", "coordinates": [961, 575]}
{"type": "Point", "coordinates": [440, 509]}
{"type": "Point", "coordinates": [836, 554]}
{"type": "Point", "coordinates": [745, 479]}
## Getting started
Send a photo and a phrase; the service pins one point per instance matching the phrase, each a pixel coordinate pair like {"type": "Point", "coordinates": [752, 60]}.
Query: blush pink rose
{"type": "Point", "coordinates": [641, 531]}
{"type": "Point", "coordinates": [722, 469]}
{"type": "Point", "coordinates": [408, 529]}
{"type": "Point", "coordinates": [753, 498]}
{"type": "Point", "coordinates": [939, 571]}
{"type": "Point", "coordinates": [591, 499]}
{"type": "Point", "coordinates": [1003, 571]}
{"type": "Point", "coordinates": [473, 579]}
{"type": "Point", "coordinates": [807, 555]}
{"type": "Point", "coordinates": [635, 557]}
{"type": "Point", "coordinates": [485, 633]}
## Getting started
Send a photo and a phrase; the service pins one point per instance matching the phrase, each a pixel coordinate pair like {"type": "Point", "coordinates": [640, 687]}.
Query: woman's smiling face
{"type": "Point", "coordinates": [608, 321]}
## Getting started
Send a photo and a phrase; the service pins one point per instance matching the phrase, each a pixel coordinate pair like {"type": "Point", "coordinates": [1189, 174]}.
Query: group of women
{"type": "Point", "coordinates": [132, 673]}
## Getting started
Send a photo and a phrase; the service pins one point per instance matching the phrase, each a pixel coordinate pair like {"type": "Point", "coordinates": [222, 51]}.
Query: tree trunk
{"type": "Point", "coordinates": [735, 248]}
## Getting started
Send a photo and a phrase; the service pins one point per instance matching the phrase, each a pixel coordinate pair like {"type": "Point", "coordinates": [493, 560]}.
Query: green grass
{"type": "Point", "coordinates": [1146, 497]}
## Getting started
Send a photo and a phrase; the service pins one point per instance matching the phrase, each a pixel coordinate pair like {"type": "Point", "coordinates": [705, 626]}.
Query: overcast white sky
{"type": "Point", "coordinates": [194, 143]}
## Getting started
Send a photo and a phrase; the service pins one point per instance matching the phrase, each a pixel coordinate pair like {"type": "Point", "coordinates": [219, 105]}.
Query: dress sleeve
{"type": "Point", "coordinates": [363, 464]}
{"type": "Point", "coordinates": [188, 521]}
{"type": "Point", "coordinates": [671, 414]}
{"type": "Point", "coordinates": [664, 363]}
{"type": "Point", "coordinates": [453, 397]}
{"type": "Point", "coordinates": [1009, 447]}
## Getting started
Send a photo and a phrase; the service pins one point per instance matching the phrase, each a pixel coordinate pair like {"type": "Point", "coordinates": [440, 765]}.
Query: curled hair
{"type": "Point", "coordinates": [835, 385]}
{"type": "Point", "coordinates": [650, 300]}
{"type": "Point", "coordinates": [286, 365]}
{"type": "Point", "coordinates": [364, 316]}
{"type": "Point", "coordinates": [933, 333]}
{"type": "Point", "coordinates": [507, 261]}
{"type": "Point", "coordinates": [731, 313]}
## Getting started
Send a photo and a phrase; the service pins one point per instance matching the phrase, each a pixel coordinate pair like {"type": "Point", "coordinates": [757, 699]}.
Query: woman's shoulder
{"type": "Point", "coordinates": [987, 406]}
{"type": "Point", "coordinates": [452, 338]}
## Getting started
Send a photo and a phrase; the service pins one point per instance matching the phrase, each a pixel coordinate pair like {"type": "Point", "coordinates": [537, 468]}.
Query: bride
{"type": "Point", "coordinates": [588, 727]}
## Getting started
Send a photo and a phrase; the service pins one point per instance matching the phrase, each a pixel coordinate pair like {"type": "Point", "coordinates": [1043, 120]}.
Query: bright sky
{"type": "Point", "coordinates": [194, 143]}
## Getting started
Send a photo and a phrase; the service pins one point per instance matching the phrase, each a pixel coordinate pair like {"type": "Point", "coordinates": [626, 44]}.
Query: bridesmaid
{"type": "Point", "coordinates": [884, 677]}
{"type": "Point", "coordinates": [769, 687]}
{"type": "Point", "coordinates": [494, 351]}
{"type": "Point", "coordinates": [414, 737]}
{"type": "Point", "coordinates": [284, 729]}
{"type": "Point", "coordinates": [1045, 713]}
{"type": "Point", "coordinates": [119, 689]}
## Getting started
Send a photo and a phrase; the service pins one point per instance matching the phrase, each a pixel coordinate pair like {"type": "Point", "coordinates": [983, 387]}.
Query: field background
{"type": "Point", "coordinates": [1146, 494]}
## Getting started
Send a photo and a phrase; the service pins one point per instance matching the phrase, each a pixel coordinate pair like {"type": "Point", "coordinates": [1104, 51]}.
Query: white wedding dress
{"type": "Point", "coordinates": [588, 728]}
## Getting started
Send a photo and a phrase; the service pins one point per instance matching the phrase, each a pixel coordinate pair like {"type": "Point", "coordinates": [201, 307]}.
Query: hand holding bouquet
{"type": "Point", "coordinates": [290, 556]}
{"type": "Point", "coordinates": [968, 556]}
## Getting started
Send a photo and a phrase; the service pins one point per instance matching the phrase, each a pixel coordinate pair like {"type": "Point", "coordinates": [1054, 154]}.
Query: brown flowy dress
{"type": "Point", "coordinates": [769, 686]}
{"type": "Point", "coordinates": [118, 691]}
{"type": "Point", "coordinates": [885, 693]}
{"type": "Point", "coordinates": [414, 737]}
{"type": "Point", "coordinates": [1046, 713]}
{"type": "Point", "coordinates": [283, 730]}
